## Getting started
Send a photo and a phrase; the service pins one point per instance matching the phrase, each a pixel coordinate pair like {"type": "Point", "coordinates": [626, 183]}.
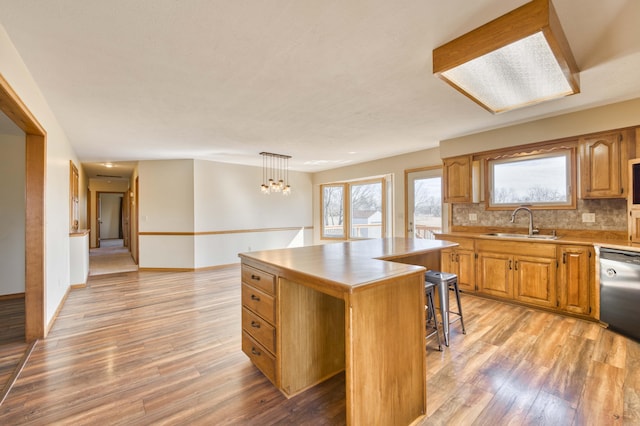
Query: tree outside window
{"type": "Point", "coordinates": [333, 211]}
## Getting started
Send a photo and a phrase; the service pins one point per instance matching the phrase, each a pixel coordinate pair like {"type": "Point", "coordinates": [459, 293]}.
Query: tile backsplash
{"type": "Point", "coordinates": [610, 215]}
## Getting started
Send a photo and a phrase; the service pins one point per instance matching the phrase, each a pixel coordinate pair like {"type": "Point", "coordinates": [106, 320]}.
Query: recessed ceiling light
{"type": "Point", "coordinates": [108, 165]}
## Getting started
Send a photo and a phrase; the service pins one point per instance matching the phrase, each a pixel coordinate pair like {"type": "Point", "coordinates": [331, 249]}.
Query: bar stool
{"type": "Point", "coordinates": [445, 282]}
{"type": "Point", "coordinates": [429, 291]}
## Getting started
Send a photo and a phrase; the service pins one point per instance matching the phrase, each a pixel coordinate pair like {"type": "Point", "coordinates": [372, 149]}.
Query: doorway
{"type": "Point", "coordinates": [112, 220]}
{"type": "Point", "coordinates": [425, 213]}
{"type": "Point", "coordinates": [112, 253]}
{"type": "Point", "coordinates": [35, 155]}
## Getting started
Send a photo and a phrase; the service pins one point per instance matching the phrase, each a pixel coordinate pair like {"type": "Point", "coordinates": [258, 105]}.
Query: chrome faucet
{"type": "Point", "coordinates": [532, 230]}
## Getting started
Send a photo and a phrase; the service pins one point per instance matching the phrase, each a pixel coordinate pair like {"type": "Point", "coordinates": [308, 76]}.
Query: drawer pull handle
{"type": "Point", "coordinates": [254, 297]}
{"type": "Point", "coordinates": [255, 324]}
{"type": "Point", "coordinates": [255, 277]}
{"type": "Point", "coordinates": [255, 352]}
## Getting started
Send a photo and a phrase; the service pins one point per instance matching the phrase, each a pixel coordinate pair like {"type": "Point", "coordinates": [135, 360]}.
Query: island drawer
{"type": "Point", "coordinates": [259, 329]}
{"type": "Point", "coordinates": [260, 357]}
{"type": "Point", "coordinates": [259, 302]}
{"type": "Point", "coordinates": [259, 279]}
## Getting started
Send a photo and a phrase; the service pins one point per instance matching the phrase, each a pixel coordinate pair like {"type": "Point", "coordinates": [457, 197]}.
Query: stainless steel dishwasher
{"type": "Point", "coordinates": [620, 291]}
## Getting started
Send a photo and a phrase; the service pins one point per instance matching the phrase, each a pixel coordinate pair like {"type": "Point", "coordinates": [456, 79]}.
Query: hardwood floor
{"type": "Point", "coordinates": [112, 257]}
{"type": "Point", "coordinates": [12, 341]}
{"type": "Point", "coordinates": [146, 347]}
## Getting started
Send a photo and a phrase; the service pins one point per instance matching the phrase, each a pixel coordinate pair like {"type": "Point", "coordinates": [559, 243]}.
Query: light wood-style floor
{"type": "Point", "coordinates": [111, 257]}
{"type": "Point", "coordinates": [145, 347]}
{"type": "Point", "coordinates": [12, 343]}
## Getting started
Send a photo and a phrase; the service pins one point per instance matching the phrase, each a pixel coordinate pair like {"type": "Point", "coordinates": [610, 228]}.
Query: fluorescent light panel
{"type": "Point", "coordinates": [522, 70]}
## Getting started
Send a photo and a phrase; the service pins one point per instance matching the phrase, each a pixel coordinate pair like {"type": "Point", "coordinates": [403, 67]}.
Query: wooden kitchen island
{"type": "Point", "coordinates": [311, 312]}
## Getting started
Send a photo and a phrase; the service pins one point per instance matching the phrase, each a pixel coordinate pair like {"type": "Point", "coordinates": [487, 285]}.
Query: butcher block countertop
{"type": "Point", "coordinates": [350, 265]}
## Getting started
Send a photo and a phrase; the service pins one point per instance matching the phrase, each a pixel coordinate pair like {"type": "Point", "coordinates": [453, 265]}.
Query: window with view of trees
{"type": "Point", "coordinates": [366, 210]}
{"type": "Point", "coordinates": [366, 213]}
{"type": "Point", "coordinates": [333, 211]}
{"type": "Point", "coordinates": [543, 179]}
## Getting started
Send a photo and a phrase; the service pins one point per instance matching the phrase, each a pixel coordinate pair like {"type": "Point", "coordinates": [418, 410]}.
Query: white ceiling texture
{"type": "Point", "coordinates": [329, 82]}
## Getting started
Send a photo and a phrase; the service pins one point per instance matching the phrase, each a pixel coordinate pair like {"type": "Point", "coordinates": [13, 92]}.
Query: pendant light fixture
{"type": "Point", "coordinates": [275, 173]}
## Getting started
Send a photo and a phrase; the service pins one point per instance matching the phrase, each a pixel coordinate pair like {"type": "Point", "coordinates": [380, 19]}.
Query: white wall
{"type": "Point", "coordinates": [228, 199]}
{"type": "Point", "coordinates": [59, 153]}
{"type": "Point", "coordinates": [12, 214]}
{"type": "Point", "coordinates": [394, 166]}
{"type": "Point", "coordinates": [214, 211]}
{"type": "Point", "coordinates": [613, 116]}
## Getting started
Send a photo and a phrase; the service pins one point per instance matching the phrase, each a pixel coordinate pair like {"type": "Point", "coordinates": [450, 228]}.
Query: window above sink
{"type": "Point", "coordinates": [537, 180]}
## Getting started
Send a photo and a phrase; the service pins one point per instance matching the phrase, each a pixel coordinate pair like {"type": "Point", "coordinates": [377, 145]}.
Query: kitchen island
{"type": "Point", "coordinates": [311, 312]}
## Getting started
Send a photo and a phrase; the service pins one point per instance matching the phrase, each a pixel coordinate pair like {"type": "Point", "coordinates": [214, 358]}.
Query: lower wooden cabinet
{"type": "Point", "coordinates": [521, 271]}
{"type": "Point", "coordinates": [535, 280]}
{"type": "Point", "coordinates": [462, 262]}
{"type": "Point", "coordinates": [495, 274]}
{"type": "Point", "coordinates": [259, 331]}
{"type": "Point", "coordinates": [541, 274]}
{"type": "Point", "coordinates": [574, 276]}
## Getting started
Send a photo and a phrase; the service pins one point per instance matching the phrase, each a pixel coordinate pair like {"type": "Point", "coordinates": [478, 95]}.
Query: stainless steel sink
{"type": "Point", "coordinates": [543, 237]}
{"type": "Point", "coordinates": [534, 236]}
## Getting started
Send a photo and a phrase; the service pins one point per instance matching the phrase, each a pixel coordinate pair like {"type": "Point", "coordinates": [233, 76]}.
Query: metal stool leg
{"type": "Point", "coordinates": [443, 296]}
{"type": "Point", "coordinates": [431, 315]}
{"type": "Point", "coordinates": [459, 313]}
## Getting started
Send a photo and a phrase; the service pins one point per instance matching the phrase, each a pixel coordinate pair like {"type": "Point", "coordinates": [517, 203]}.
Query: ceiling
{"type": "Point", "coordinates": [329, 82]}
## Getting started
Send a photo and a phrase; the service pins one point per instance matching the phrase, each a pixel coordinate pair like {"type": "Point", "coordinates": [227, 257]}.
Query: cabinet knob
{"type": "Point", "coordinates": [254, 297]}
{"type": "Point", "coordinates": [255, 277]}
{"type": "Point", "coordinates": [255, 324]}
{"type": "Point", "coordinates": [255, 351]}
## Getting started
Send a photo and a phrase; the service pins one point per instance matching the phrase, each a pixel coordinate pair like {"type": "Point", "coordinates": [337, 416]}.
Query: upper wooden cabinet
{"type": "Point", "coordinates": [457, 179]}
{"type": "Point", "coordinates": [603, 164]}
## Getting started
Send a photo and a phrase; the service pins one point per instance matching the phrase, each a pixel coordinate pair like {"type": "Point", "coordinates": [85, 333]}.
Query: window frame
{"type": "Point", "coordinates": [568, 152]}
{"type": "Point", "coordinates": [346, 207]}
{"type": "Point", "coordinates": [323, 235]}
{"type": "Point", "coordinates": [383, 199]}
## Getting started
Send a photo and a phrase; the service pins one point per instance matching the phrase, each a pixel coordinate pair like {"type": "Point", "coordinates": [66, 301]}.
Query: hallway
{"type": "Point", "coordinates": [112, 257]}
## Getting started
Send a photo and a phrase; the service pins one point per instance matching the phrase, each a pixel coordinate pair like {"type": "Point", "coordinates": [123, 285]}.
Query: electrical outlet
{"type": "Point", "coordinates": [588, 217]}
{"type": "Point", "coordinates": [473, 217]}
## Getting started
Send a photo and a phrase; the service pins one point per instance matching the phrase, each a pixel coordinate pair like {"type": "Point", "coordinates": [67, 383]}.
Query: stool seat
{"type": "Point", "coordinates": [436, 277]}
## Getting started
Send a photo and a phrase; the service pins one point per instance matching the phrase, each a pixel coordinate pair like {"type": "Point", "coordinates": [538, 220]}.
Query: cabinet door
{"type": "Point", "coordinates": [601, 166]}
{"type": "Point", "coordinates": [495, 274]}
{"type": "Point", "coordinates": [447, 263]}
{"type": "Point", "coordinates": [535, 280]}
{"type": "Point", "coordinates": [634, 226]}
{"type": "Point", "coordinates": [466, 269]}
{"type": "Point", "coordinates": [456, 180]}
{"type": "Point", "coordinates": [573, 285]}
